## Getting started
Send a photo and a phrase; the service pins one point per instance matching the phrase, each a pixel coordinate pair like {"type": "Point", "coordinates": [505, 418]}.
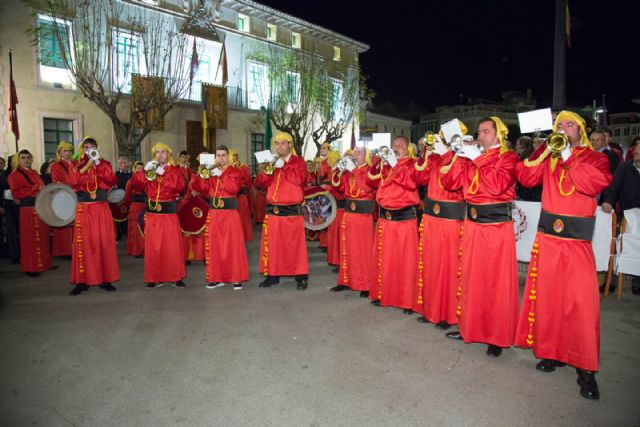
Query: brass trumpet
{"type": "Point", "coordinates": [151, 174]}
{"type": "Point", "coordinates": [270, 167]}
{"type": "Point", "coordinates": [429, 141]}
{"type": "Point", "coordinates": [205, 171]}
{"type": "Point", "coordinates": [556, 143]}
{"type": "Point", "coordinates": [93, 154]}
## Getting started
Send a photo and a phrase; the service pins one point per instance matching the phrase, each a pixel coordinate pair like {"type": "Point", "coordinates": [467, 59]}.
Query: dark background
{"type": "Point", "coordinates": [440, 52]}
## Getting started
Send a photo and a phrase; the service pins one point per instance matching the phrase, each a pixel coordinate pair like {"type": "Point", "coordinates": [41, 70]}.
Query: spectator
{"type": "Point", "coordinates": [12, 214]}
{"type": "Point", "coordinates": [45, 173]}
{"type": "Point", "coordinates": [625, 189]}
{"type": "Point", "coordinates": [600, 143]}
{"type": "Point", "coordinates": [538, 140]}
{"type": "Point", "coordinates": [524, 149]}
{"type": "Point", "coordinates": [634, 143]}
{"type": "Point", "coordinates": [614, 146]}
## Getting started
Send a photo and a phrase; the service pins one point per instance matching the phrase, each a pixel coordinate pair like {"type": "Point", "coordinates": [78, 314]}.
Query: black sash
{"type": "Point", "coordinates": [243, 190]}
{"type": "Point", "coordinates": [138, 198]}
{"type": "Point", "coordinates": [85, 197]}
{"type": "Point", "coordinates": [23, 173]}
{"type": "Point", "coordinates": [165, 208]}
{"type": "Point", "coordinates": [568, 227]}
{"type": "Point", "coordinates": [223, 203]}
{"type": "Point", "coordinates": [446, 210]}
{"type": "Point", "coordinates": [28, 202]}
{"type": "Point", "coordinates": [402, 214]}
{"type": "Point", "coordinates": [358, 206]}
{"type": "Point", "coordinates": [284, 210]}
{"type": "Point", "coordinates": [340, 203]}
{"type": "Point", "coordinates": [490, 213]}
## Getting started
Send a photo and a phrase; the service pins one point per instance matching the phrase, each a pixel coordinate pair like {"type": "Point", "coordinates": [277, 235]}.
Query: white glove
{"type": "Point", "coordinates": [279, 163]}
{"type": "Point", "coordinates": [392, 159]}
{"type": "Point", "coordinates": [150, 165]}
{"type": "Point", "coordinates": [439, 147]}
{"type": "Point", "coordinates": [160, 170]}
{"type": "Point", "coordinates": [471, 152]}
{"type": "Point", "coordinates": [96, 162]}
{"type": "Point", "coordinates": [216, 172]}
{"type": "Point", "coordinates": [350, 165]}
{"type": "Point", "coordinates": [566, 153]}
{"type": "Point", "coordinates": [339, 166]}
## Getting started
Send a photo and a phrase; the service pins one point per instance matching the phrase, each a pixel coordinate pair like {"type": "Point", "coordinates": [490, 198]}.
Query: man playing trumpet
{"type": "Point", "coordinates": [162, 183]}
{"type": "Point", "coordinates": [226, 257]}
{"type": "Point", "coordinates": [283, 247]}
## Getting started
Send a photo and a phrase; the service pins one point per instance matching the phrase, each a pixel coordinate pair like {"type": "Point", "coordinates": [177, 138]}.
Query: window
{"type": "Point", "coordinates": [257, 144]}
{"type": "Point", "coordinates": [336, 100]}
{"type": "Point", "coordinates": [402, 131]}
{"type": "Point", "coordinates": [296, 40]}
{"type": "Point", "coordinates": [258, 85]}
{"type": "Point", "coordinates": [51, 53]}
{"type": "Point", "coordinates": [126, 59]}
{"type": "Point", "coordinates": [243, 23]}
{"type": "Point", "coordinates": [272, 32]}
{"type": "Point", "coordinates": [616, 132]}
{"type": "Point", "coordinates": [626, 131]}
{"type": "Point", "coordinates": [293, 88]}
{"type": "Point", "coordinates": [55, 130]}
{"type": "Point", "coordinates": [336, 53]}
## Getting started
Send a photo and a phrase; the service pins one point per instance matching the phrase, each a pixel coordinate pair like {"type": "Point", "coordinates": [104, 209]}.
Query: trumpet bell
{"type": "Point", "coordinates": [557, 142]}
{"type": "Point", "coordinates": [151, 175]}
{"type": "Point", "coordinates": [429, 140]}
{"type": "Point", "coordinates": [204, 172]}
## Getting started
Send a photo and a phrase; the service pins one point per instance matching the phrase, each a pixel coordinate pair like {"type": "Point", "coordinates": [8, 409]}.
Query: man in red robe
{"type": "Point", "coordinates": [440, 246]}
{"type": "Point", "coordinates": [62, 236]}
{"type": "Point", "coordinates": [356, 226]}
{"type": "Point", "coordinates": [193, 243]}
{"type": "Point", "coordinates": [283, 247]}
{"type": "Point", "coordinates": [560, 316]}
{"type": "Point", "coordinates": [225, 252]}
{"type": "Point", "coordinates": [489, 295]}
{"type": "Point", "coordinates": [243, 200]}
{"type": "Point", "coordinates": [94, 260]}
{"type": "Point", "coordinates": [25, 184]}
{"type": "Point", "coordinates": [163, 183]}
{"type": "Point", "coordinates": [333, 231]}
{"type": "Point", "coordinates": [137, 203]}
{"type": "Point", "coordinates": [395, 246]}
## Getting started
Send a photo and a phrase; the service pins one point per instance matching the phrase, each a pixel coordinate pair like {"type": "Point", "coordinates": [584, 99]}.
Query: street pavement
{"type": "Point", "coordinates": [277, 356]}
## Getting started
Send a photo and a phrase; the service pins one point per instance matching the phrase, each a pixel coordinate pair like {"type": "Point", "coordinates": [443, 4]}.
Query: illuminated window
{"type": "Point", "coordinates": [258, 85]}
{"type": "Point", "coordinates": [336, 53]}
{"type": "Point", "coordinates": [243, 23]}
{"type": "Point", "coordinates": [272, 32]}
{"type": "Point", "coordinates": [296, 40]}
{"type": "Point", "coordinates": [51, 52]}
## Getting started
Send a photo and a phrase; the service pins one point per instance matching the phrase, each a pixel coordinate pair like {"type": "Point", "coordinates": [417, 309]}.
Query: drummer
{"type": "Point", "coordinates": [62, 236]}
{"type": "Point", "coordinates": [25, 184]}
{"type": "Point", "coordinates": [136, 201]}
{"type": "Point", "coordinates": [193, 243]}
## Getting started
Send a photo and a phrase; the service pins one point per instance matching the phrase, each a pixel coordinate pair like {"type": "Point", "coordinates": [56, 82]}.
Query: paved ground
{"type": "Point", "coordinates": [198, 357]}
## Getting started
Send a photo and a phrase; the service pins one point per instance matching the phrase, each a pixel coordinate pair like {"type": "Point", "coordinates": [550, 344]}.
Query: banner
{"type": "Point", "coordinates": [526, 216]}
{"type": "Point", "coordinates": [147, 97]}
{"type": "Point", "coordinates": [215, 99]}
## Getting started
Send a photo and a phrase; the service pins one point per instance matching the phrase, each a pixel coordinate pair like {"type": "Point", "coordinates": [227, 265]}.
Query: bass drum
{"type": "Point", "coordinates": [318, 209]}
{"type": "Point", "coordinates": [193, 216]}
{"type": "Point", "coordinates": [56, 205]}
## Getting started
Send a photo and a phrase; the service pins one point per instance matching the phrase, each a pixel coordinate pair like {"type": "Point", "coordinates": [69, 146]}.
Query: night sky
{"type": "Point", "coordinates": [439, 52]}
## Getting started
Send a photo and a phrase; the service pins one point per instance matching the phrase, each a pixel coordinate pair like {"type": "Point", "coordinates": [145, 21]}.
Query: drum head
{"type": "Point", "coordinates": [63, 205]}
{"type": "Point", "coordinates": [319, 209]}
{"type": "Point", "coordinates": [193, 215]}
{"type": "Point", "coordinates": [119, 211]}
{"type": "Point", "coordinates": [116, 195]}
{"type": "Point", "coordinates": [56, 205]}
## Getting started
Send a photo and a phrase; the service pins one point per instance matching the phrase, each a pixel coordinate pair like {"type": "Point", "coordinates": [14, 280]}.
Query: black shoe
{"type": "Point", "coordinates": [588, 384]}
{"type": "Point", "coordinates": [153, 285]}
{"type": "Point", "coordinates": [602, 288]}
{"type": "Point", "coordinates": [494, 350]}
{"type": "Point", "coordinates": [422, 319]}
{"type": "Point", "coordinates": [335, 270]}
{"type": "Point", "coordinates": [338, 288]}
{"type": "Point", "coordinates": [53, 267]}
{"type": "Point", "coordinates": [302, 285]}
{"type": "Point", "coordinates": [443, 325]}
{"type": "Point", "coordinates": [78, 289]}
{"type": "Point", "coordinates": [454, 335]}
{"type": "Point", "coordinates": [364, 294]}
{"type": "Point", "coordinates": [187, 263]}
{"type": "Point", "coordinates": [407, 311]}
{"type": "Point", "coordinates": [33, 274]}
{"type": "Point", "coordinates": [635, 285]}
{"type": "Point", "coordinates": [376, 303]}
{"type": "Point", "coordinates": [549, 365]}
{"type": "Point", "coordinates": [179, 284]}
{"type": "Point", "coordinates": [268, 282]}
{"type": "Point", "coordinates": [108, 287]}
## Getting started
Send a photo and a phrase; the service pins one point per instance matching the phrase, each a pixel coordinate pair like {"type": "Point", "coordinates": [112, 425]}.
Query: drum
{"type": "Point", "coordinates": [193, 215]}
{"type": "Point", "coordinates": [56, 205]}
{"type": "Point", "coordinates": [116, 195]}
{"type": "Point", "coordinates": [319, 208]}
{"type": "Point", "coordinates": [119, 211]}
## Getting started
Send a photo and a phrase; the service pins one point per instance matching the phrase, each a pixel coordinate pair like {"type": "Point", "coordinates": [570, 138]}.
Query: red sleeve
{"type": "Point", "coordinates": [231, 183]}
{"type": "Point", "coordinates": [105, 172]}
{"type": "Point", "coordinates": [404, 176]}
{"type": "Point", "coordinates": [531, 175]}
{"type": "Point", "coordinates": [127, 192]}
{"type": "Point", "coordinates": [202, 186]}
{"type": "Point", "coordinates": [453, 180]}
{"type": "Point", "coordinates": [337, 181]}
{"type": "Point", "coordinates": [432, 160]}
{"type": "Point", "coordinates": [590, 175]}
{"type": "Point", "coordinates": [263, 180]}
{"type": "Point", "coordinates": [138, 181]}
{"type": "Point", "coordinates": [497, 176]}
{"type": "Point", "coordinates": [295, 171]}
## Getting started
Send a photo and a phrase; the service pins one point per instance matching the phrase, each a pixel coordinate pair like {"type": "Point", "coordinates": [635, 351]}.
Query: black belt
{"type": "Point", "coordinates": [284, 210]}
{"type": "Point", "coordinates": [138, 198]}
{"type": "Point", "coordinates": [223, 203]}
{"type": "Point", "coordinates": [243, 190]}
{"type": "Point", "coordinates": [162, 208]}
{"type": "Point", "coordinates": [325, 182]}
{"type": "Point", "coordinates": [446, 210]}
{"type": "Point", "coordinates": [340, 203]}
{"type": "Point", "coordinates": [85, 197]}
{"type": "Point", "coordinates": [358, 206]}
{"type": "Point", "coordinates": [402, 214]}
{"type": "Point", "coordinates": [491, 213]}
{"type": "Point", "coordinates": [27, 202]}
{"type": "Point", "coordinates": [568, 227]}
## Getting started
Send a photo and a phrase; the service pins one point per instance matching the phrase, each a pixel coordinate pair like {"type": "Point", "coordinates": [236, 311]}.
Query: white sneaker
{"type": "Point", "coordinates": [214, 285]}
{"type": "Point", "coordinates": [237, 286]}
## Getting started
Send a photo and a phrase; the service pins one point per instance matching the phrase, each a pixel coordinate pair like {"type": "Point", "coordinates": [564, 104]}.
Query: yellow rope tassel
{"type": "Point", "coordinates": [380, 230]}
{"type": "Point", "coordinates": [421, 262]}
{"type": "Point", "coordinates": [533, 274]}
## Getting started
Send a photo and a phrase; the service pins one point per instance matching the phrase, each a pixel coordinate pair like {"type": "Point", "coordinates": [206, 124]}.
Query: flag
{"type": "Point", "coordinates": [195, 61]}
{"type": "Point", "coordinates": [353, 136]}
{"type": "Point", "coordinates": [13, 101]}
{"type": "Point", "coordinates": [222, 62]}
{"type": "Point", "coordinates": [267, 133]}
{"type": "Point", "coordinates": [205, 125]}
{"type": "Point", "coordinates": [567, 23]}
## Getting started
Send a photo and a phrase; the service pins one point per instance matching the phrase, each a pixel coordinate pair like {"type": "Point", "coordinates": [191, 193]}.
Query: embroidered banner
{"type": "Point", "coordinates": [214, 99]}
{"type": "Point", "coordinates": [147, 97]}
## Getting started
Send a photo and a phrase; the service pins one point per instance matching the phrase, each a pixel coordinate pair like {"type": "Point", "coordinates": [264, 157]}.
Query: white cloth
{"type": "Point", "coordinates": [279, 163]}
{"type": "Point", "coordinates": [350, 166]}
{"type": "Point", "coordinates": [160, 170]}
{"type": "Point", "coordinates": [392, 159]}
{"type": "Point", "coordinates": [629, 244]}
{"type": "Point", "coordinates": [471, 152]}
{"type": "Point", "coordinates": [150, 165]}
{"type": "Point", "coordinates": [216, 171]}
{"type": "Point", "coordinates": [566, 153]}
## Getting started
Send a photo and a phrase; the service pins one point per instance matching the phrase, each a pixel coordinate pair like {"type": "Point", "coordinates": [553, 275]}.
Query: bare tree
{"type": "Point", "coordinates": [106, 43]}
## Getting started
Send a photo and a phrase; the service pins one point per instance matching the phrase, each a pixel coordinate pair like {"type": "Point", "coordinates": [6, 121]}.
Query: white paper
{"type": "Point", "coordinates": [263, 156]}
{"type": "Point", "coordinates": [535, 121]}
{"type": "Point", "coordinates": [629, 244]}
{"type": "Point", "coordinates": [207, 159]}
{"type": "Point", "coordinates": [450, 128]}
{"type": "Point", "coordinates": [379, 140]}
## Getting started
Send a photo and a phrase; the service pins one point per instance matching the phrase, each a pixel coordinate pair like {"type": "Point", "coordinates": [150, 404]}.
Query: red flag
{"type": "Point", "coordinates": [13, 101]}
{"type": "Point", "coordinates": [353, 136]}
{"type": "Point", "coordinates": [195, 61]}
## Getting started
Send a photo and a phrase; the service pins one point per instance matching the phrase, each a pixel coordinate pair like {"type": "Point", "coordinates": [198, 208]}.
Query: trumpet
{"type": "Point", "coordinates": [205, 171]}
{"type": "Point", "coordinates": [343, 162]}
{"type": "Point", "coordinates": [429, 141]}
{"type": "Point", "coordinates": [269, 168]}
{"type": "Point", "coordinates": [383, 152]}
{"type": "Point", "coordinates": [93, 154]}
{"type": "Point", "coordinates": [556, 143]}
{"type": "Point", "coordinates": [458, 142]}
{"type": "Point", "coordinates": [151, 174]}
